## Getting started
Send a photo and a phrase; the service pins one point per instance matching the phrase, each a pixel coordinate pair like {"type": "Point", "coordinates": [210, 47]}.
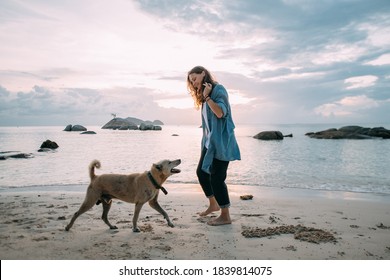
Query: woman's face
{"type": "Point", "coordinates": [197, 79]}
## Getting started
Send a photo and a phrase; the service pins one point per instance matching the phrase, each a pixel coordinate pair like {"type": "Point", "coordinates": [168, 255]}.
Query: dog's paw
{"type": "Point", "coordinates": [113, 227]}
{"type": "Point", "coordinates": [171, 225]}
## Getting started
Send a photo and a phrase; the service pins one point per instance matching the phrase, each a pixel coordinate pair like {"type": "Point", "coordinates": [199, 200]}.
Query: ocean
{"type": "Point", "coordinates": [299, 162]}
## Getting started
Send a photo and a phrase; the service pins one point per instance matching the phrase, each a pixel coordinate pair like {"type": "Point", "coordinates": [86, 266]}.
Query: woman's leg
{"type": "Point", "coordinates": [205, 182]}
{"type": "Point", "coordinates": [213, 207]}
{"type": "Point", "coordinates": [218, 177]}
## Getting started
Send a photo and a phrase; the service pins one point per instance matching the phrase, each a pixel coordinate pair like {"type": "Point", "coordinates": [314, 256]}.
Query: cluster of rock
{"type": "Point", "coordinates": [78, 128]}
{"type": "Point", "coordinates": [14, 154]}
{"type": "Point", "coordinates": [132, 124]}
{"type": "Point", "coordinates": [351, 132]}
{"type": "Point", "coordinates": [345, 132]}
{"type": "Point", "coordinates": [46, 146]}
{"type": "Point", "coordinates": [271, 135]}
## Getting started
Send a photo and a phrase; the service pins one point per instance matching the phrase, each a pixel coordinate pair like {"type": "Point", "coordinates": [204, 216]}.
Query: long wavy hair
{"type": "Point", "coordinates": [197, 94]}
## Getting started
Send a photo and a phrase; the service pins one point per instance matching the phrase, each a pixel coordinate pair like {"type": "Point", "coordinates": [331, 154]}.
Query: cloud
{"type": "Point", "coordinates": [347, 106]}
{"type": "Point", "coordinates": [360, 82]}
{"type": "Point", "coordinates": [294, 76]}
{"type": "Point", "coordinates": [281, 61]}
{"type": "Point", "coordinates": [381, 60]}
{"type": "Point", "coordinates": [84, 106]}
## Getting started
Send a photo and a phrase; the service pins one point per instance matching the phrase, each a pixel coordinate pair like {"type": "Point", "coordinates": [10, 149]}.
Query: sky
{"type": "Point", "coordinates": [281, 61]}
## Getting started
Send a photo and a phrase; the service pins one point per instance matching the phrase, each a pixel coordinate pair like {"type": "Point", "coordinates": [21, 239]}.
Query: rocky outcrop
{"type": "Point", "coordinates": [132, 124]}
{"type": "Point", "coordinates": [157, 122]}
{"type": "Point", "coordinates": [76, 127]}
{"type": "Point", "coordinates": [145, 126]}
{"type": "Point", "coordinates": [18, 155]}
{"type": "Point", "coordinates": [269, 135]}
{"type": "Point", "coordinates": [68, 127]}
{"type": "Point", "coordinates": [48, 144]}
{"type": "Point", "coordinates": [351, 132]}
{"type": "Point", "coordinates": [119, 123]}
{"type": "Point", "coordinates": [138, 122]}
{"type": "Point", "coordinates": [88, 132]}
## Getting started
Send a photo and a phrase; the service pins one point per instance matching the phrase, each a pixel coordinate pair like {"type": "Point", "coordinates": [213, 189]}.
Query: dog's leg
{"type": "Point", "coordinates": [106, 208]}
{"type": "Point", "coordinates": [156, 206]}
{"type": "Point", "coordinates": [137, 210]}
{"type": "Point", "coordinates": [89, 201]}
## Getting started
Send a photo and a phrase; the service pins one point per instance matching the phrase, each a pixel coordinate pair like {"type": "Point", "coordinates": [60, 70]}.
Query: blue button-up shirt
{"type": "Point", "coordinates": [222, 141]}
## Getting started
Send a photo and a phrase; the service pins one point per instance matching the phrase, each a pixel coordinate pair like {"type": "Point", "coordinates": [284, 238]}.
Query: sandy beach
{"type": "Point", "coordinates": [276, 224]}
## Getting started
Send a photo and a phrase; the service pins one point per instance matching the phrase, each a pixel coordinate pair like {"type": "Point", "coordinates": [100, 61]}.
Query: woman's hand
{"type": "Point", "coordinates": [208, 87]}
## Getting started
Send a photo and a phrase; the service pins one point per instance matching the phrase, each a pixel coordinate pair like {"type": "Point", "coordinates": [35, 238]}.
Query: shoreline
{"type": "Point", "coordinates": [34, 222]}
{"type": "Point", "coordinates": [261, 190]}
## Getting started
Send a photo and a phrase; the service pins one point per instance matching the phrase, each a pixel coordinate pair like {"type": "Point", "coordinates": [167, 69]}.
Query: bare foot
{"type": "Point", "coordinates": [219, 221]}
{"type": "Point", "coordinates": [209, 210]}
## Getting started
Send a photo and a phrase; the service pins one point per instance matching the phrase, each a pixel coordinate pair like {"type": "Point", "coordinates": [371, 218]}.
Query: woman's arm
{"type": "Point", "coordinates": [214, 107]}
{"type": "Point", "coordinates": [217, 110]}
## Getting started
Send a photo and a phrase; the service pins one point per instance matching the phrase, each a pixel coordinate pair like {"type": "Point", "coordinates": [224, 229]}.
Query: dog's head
{"type": "Point", "coordinates": [166, 168]}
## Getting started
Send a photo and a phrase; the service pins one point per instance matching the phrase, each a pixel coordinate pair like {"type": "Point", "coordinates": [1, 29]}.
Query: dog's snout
{"type": "Point", "coordinates": [174, 164]}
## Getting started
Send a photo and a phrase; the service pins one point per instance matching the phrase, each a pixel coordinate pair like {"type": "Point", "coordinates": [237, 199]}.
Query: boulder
{"type": "Point", "coordinates": [145, 126]}
{"type": "Point", "coordinates": [76, 127]}
{"type": "Point", "coordinates": [351, 132]}
{"type": "Point", "coordinates": [155, 122]}
{"type": "Point", "coordinates": [68, 127]}
{"type": "Point", "coordinates": [88, 132]}
{"type": "Point", "coordinates": [49, 145]}
{"type": "Point", "coordinates": [135, 121]}
{"type": "Point", "coordinates": [158, 122]}
{"type": "Point", "coordinates": [269, 135]}
{"type": "Point", "coordinates": [379, 132]}
{"type": "Point", "coordinates": [18, 155]}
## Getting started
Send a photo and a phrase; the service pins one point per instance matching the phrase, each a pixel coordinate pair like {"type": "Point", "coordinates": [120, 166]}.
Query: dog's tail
{"type": "Point", "coordinates": [94, 163]}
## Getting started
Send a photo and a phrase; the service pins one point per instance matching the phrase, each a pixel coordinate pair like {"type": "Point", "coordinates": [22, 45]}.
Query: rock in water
{"type": "Point", "coordinates": [269, 135]}
{"type": "Point", "coordinates": [49, 145]}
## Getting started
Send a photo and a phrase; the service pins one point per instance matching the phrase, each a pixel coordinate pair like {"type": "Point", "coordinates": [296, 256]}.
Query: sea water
{"type": "Point", "coordinates": [298, 162]}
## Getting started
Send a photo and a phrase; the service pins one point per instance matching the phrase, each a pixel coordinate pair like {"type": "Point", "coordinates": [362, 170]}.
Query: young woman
{"type": "Point", "coordinates": [219, 145]}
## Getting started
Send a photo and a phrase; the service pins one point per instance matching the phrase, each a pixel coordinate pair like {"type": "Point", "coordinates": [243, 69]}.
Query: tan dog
{"type": "Point", "coordinates": [137, 188]}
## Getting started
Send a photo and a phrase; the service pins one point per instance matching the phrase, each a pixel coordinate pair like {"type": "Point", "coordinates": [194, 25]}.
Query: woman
{"type": "Point", "coordinates": [219, 145]}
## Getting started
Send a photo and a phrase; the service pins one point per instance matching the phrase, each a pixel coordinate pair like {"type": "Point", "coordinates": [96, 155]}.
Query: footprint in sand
{"type": "Point", "coordinates": [205, 219]}
{"type": "Point", "coordinates": [41, 238]}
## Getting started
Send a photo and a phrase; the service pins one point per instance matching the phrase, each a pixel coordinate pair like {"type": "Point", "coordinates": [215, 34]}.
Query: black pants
{"type": "Point", "coordinates": [214, 184]}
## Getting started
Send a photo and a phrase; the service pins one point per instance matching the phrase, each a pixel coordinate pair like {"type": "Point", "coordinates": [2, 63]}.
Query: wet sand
{"type": "Point", "coordinates": [276, 224]}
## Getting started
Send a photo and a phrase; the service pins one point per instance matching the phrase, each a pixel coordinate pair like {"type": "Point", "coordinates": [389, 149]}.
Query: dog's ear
{"type": "Point", "coordinates": [158, 166]}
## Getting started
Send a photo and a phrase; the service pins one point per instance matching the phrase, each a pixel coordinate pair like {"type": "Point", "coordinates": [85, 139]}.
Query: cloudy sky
{"type": "Point", "coordinates": [282, 61]}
